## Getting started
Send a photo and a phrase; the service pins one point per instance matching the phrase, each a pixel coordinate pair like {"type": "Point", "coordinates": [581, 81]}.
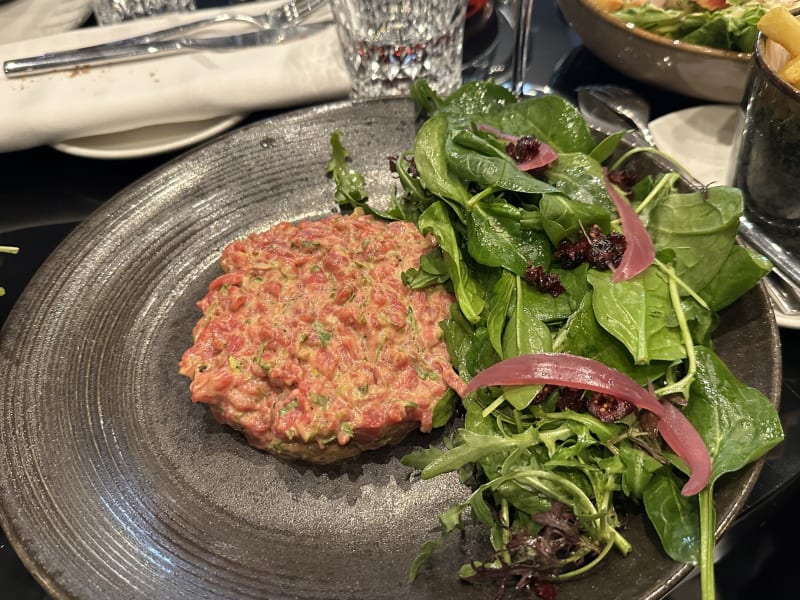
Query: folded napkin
{"type": "Point", "coordinates": [56, 107]}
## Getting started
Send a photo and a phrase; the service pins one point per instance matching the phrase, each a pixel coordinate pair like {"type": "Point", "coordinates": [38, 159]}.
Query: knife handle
{"type": "Point", "coordinates": [86, 57]}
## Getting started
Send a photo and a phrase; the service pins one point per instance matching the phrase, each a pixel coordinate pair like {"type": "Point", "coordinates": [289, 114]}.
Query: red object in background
{"type": "Point", "coordinates": [475, 6]}
{"type": "Point", "coordinates": [480, 28]}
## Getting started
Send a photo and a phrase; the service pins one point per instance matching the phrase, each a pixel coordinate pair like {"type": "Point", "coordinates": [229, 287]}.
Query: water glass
{"type": "Point", "coordinates": [116, 11]}
{"type": "Point", "coordinates": [388, 44]}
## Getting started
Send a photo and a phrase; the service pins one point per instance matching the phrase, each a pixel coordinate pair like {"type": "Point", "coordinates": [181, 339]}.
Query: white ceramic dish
{"type": "Point", "coordinates": [701, 139]}
{"type": "Point", "coordinates": [146, 141]}
{"type": "Point", "coordinates": [26, 19]}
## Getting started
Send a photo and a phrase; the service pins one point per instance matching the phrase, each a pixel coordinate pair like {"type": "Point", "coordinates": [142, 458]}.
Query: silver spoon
{"type": "Point", "coordinates": [611, 108]}
{"type": "Point", "coordinates": [626, 103]}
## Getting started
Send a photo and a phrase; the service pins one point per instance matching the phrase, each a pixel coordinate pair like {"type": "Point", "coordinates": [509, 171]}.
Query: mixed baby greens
{"type": "Point", "coordinates": [721, 24]}
{"type": "Point", "coordinates": [549, 463]}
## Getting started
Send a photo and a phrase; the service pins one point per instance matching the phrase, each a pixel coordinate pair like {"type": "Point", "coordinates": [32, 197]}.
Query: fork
{"type": "Point", "coordinates": [290, 13]}
{"type": "Point", "coordinates": [287, 15]}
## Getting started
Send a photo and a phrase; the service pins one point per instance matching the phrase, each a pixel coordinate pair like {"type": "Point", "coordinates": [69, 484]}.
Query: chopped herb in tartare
{"type": "Point", "coordinates": [721, 24]}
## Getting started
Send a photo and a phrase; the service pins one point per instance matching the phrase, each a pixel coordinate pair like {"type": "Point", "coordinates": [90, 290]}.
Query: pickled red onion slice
{"type": "Point", "coordinates": [497, 133]}
{"type": "Point", "coordinates": [566, 370]}
{"type": "Point", "coordinates": [682, 437]}
{"type": "Point", "coordinates": [544, 156]}
{"type": "Point", "coordinates": [639, 250]}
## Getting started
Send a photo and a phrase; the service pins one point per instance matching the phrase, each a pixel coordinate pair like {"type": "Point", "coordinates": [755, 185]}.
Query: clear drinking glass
{"type": "Point", "coordinates": [389, 43]}
{"type": "Point", "coordinates": [116, 11]}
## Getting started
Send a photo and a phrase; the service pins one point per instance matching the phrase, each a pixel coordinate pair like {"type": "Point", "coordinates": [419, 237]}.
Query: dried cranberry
{"type": "Point", "coordinates": [622, 179]}
{"type": "Point", "coordinates": [571, 399]}
{"type": "Point", "coordinates": [608, 408]}
{"type": "Point", "coordinates": [544, 282]}
{"type": "Point", "coordinates": [524, 149]}
{"type": "Point", "coordinates": [601, 251]}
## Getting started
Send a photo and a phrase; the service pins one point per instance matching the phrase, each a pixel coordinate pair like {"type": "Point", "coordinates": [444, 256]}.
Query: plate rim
{"type": "Point", "coordinates": [749, 476]}
{"type": "Point", "coordinates": [205, 129]}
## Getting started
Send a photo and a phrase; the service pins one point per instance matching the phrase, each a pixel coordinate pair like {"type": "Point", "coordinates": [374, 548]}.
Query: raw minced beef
{"type": "Point", "coordinates": [311, 345]}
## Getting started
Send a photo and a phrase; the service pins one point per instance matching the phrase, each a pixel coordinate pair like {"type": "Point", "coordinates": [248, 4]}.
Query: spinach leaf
{"type": "Point", "coordinates": [495, 238]}
{"type": "Point", "coordinates": [477, 98]}
{"type": "Point", "coordinates": [556, 309]}
{"type": "Point", "coordinates": [741, 270]}
{"type": "Point", "coordinates": [737, 422]}
{"type": "Point", "coordinates": [580, 178]}
{"type": "Point", "coordinates": [524, 333]}
{"type": "Point", "coordinates": [430, 156]}
{"type": "Point", "coordinates": [676, 518]}
{"type": "Point", "coordinates": [435, 220]}
{"type": "Point", "coordinates": [550, 119]}
{"type": "Point", "coordinates": [565, 218]}
{"type": "Point", "coordinates": [424, 96]}
{"type": "Point", "coordinates": [475, 160]}
{"type": "Point", "coordinates": [607, 146]}
{"type": "Point", "coordinates": [636, 313]}
{"type": "Point", "coordinates": [700, 228]}
{"type": "Point", "coordinates": [499, 306]}
{"type": "Point", "coordinates": [582, 335]}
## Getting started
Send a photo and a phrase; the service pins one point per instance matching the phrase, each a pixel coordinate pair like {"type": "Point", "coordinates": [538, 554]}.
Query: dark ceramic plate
{"type": "Point", "coordinates": [114, 485]}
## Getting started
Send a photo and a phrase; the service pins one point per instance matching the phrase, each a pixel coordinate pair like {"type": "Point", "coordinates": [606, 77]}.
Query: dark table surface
{"type": "Point", "coordinates": [46, 193]}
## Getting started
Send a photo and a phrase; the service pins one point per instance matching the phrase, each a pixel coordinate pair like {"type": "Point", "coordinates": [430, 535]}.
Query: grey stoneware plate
{"type": "Point", "coordinates": [114, 485]}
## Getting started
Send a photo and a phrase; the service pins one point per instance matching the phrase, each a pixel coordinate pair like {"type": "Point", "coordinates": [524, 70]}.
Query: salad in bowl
{"type": "Point", "coordinates": [699, 49]}
{"type": "Point", "coordinates": [721, 24]}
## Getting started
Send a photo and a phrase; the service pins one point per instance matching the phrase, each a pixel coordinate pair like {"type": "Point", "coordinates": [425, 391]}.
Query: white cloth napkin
{"type": "Point", "coordinates": [56, 107]}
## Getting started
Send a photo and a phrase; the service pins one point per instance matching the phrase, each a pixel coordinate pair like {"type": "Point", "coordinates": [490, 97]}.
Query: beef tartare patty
{"type": "Point", "coordinates": [311, 345]}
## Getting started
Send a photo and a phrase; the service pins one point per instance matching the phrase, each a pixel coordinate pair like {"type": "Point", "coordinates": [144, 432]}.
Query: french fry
{"type": "Point", "coordinates": [791, 72]}
{"type": "Point", "coordinates": [781, 26]}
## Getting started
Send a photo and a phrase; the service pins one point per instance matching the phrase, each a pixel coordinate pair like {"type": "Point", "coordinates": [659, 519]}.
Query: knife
{"type": "Point", "coordinates": [111, 54]}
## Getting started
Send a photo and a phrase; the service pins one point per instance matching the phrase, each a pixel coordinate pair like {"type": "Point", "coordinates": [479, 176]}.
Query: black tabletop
{"type": "Point", "coordinates": [45, 193]}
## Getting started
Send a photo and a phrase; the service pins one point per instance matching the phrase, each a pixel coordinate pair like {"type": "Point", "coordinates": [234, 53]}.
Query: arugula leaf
{"type": "Point", "coordinates": [350, 186]}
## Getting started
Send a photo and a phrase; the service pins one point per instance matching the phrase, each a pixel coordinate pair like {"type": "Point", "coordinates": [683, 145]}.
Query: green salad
{"type": "Point", "coordinates": [585, 304]}
{"type": "Point", "coordinates": [721, 24]}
